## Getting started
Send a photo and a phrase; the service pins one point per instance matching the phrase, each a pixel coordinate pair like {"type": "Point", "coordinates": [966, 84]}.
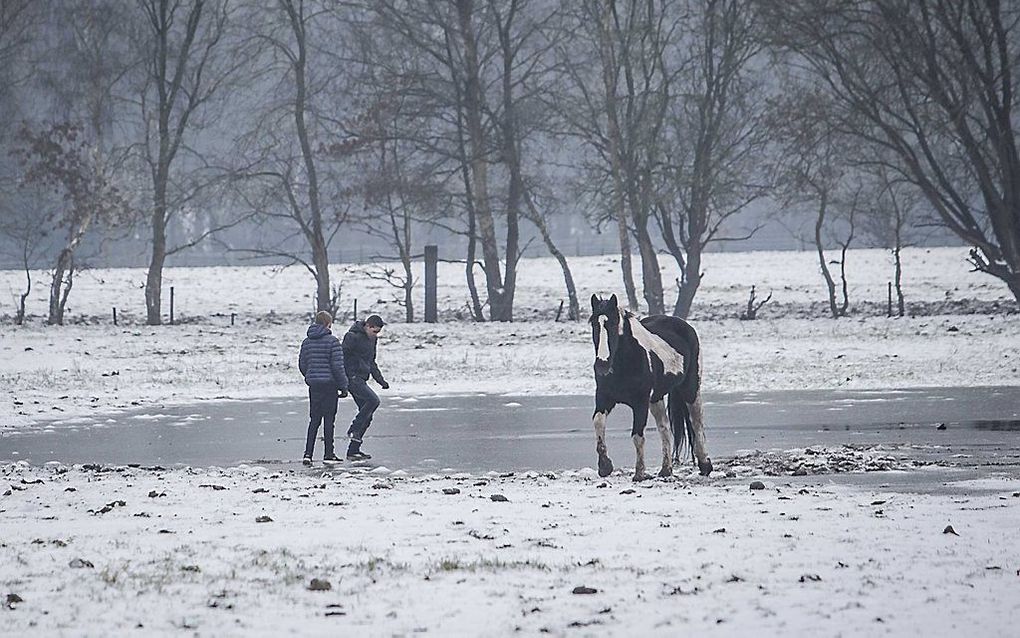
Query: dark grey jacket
{"type": "Point", "coordinates": [359, 354]}
{"type": "Point", "coordinates": [321, 360]}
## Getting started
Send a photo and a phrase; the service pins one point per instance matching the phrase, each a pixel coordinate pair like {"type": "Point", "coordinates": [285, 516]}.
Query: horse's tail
{"type": "Point", "coordinates": [681, 425]}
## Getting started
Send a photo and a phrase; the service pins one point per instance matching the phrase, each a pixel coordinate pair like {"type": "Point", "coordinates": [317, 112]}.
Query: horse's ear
{"type": "Point", "coordinates": [594, 301]}
{"type": "Point", "coordinates": [612, 301]}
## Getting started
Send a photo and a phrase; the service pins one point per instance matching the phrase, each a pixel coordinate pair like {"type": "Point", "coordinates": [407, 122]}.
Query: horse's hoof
{"type": "Point", "coordinates": [705, 467]}
{"type": "Point", "coordinates": [641, 476]}
{"type": "Point", "coordinates": [666, 471]}
{"type": "Point", "coordinates": [605, 466]}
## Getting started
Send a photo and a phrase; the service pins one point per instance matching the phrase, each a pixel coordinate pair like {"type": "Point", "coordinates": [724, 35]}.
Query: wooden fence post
{"type": "Point", "coordinates": [431, 279]}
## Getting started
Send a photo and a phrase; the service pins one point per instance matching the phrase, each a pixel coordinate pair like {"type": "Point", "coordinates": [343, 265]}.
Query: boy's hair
{"type": "Point", "coordinates": [323, 318]}
{"type": "Point", "coordinates": [375, 321]}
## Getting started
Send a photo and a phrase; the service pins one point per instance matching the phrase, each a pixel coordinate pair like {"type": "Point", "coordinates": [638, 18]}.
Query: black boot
{"type": "Point", "coordinates": [354, 452]}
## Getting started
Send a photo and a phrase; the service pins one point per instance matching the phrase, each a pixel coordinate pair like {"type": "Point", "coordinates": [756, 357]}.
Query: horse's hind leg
{"type": "Point", "coordinates": [637, 434]}
{"type": "Point", "coordinates": [658, 409]}
{"type": "Point", "coordinates": [697, 411]}
{"type": "Point", "coordinates": [599, 422]}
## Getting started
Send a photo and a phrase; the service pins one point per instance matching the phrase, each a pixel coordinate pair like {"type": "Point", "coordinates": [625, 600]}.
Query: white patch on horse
{"type": "Point", "coordinates": [603, 351]}
{"type": "Point", "coordinates": [672, 361]}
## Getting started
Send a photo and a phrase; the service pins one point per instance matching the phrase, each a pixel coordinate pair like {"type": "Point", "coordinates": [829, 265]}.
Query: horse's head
{"type": "Point", "coordinates": [605, 332]}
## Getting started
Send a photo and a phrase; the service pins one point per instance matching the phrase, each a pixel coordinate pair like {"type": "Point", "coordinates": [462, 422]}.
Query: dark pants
{"type": "Point", "coordinates": [321, 408]}
{"type": "Point", "coordinates": [367, 401]}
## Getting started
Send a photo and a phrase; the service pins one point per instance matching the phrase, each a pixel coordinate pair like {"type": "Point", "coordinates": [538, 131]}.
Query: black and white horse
{"type": "Point", "coordinates": [641, 362]}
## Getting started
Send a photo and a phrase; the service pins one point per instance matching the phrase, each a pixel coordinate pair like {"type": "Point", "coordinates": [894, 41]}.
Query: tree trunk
{"type": "Point", "coordinates": [169, 69]}
{"type": "Point", "coordinates": [515, 192]}
{"type": "Point", "coordinates": [20, 318]}
{"type": "Point", "coordinates": [615, 139]}
{"type": "Point", "coordinates": [691, 282]}
{"type": "Point", "coordinates": [408, 288]}
{"type": "Point", "coordinates": [65, 266]}
{"type": "Point", "coordinates": [626, 265]}
{"type": "Point", "coordinates": [405, 257]}
{"type": "Point", "coordinates": [469, 269]}
{"type": "Point", "coordinates": [829, 283]}
{"type": "Point", "coordinates": [320, 255]}
{"type": "Point", "coordinates": [499, 310]}
{"type": "Point", "coordinates": [574, 310]}
{"type": "Point", "coordinates": [845, 304]}
{"type": "Point", "coordinates": [898, 280]}
{"type": "Point", "coordinates": [476, 303]}
{"type": "Point", "coordinates": [845, 247]}
{"type": "Point", "coordinates": [651, 277]}
{"type": "Point", "coordinates": [320, 260]}
{"type": "Point", "coordinates": [65, 261]}
{"type": "Point", "coordinates": [472, 218]}
{"type": "Point", "coordinates": [154, 276]}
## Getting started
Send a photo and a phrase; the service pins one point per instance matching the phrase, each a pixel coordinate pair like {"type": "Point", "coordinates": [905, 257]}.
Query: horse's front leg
{"type": "Point", "coordinates": [599, 422]}
{"type": "Point", "coordinates": [658, 409]}
{"type": "Point", "coordinates": [637, 434]}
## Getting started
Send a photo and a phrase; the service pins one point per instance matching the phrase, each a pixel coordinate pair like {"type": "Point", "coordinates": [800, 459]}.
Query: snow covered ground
{"type": "Point", "coordinates": [143, 551]}
{"type": "Point", "coordinates": [99, 550]}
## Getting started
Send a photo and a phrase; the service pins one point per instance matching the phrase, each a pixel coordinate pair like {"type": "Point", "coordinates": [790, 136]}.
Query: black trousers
{"type": "Point", "coordinates": [367, 401]}
{"type": "Point", "coordinates": [321, 409]}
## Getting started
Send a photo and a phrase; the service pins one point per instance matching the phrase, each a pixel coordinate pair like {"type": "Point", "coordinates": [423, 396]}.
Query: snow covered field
{"type": "Point", "coordinates": [182, 552]}
{"type": "Point", "coordinates": [100, 551]}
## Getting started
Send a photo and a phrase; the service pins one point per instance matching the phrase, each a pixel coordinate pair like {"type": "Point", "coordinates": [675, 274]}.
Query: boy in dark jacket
{"type": "Point", "coordinates": [321, 362]}
{"type": "Point", "coordinates": [359, 360]}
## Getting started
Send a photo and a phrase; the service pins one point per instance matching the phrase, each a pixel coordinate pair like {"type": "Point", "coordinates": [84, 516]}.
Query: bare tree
{"type": "Point", "coordinates": [536, 217]}
{"type": "Point", "coordinates": [304, 132]}
{"type": "Point", "coordinates": [817, 169]}
{"type": "Point", "coordinates": [396, 196]}
{"type": "Point", "coordinates": [182, 45]}
{"type": "Point", "coordinates": [718, 134]}
{"type": "Point", "coordinates": [894, 221]}
{"type": "Point", "coordinates": [525, 58]}
{"type": "Point", "coordinates": [59, 157]}
{"type": "Point", "coordinates": [26, 234]}
{"type": "Point", "coordinates": [412, 50]}
{"type": "Point", "coordinates": [934, 83]}
{"type": "Point", "coordinates": [500, 281]}
{"type": "Point", "coordinates": [617, 108]}
{"type": "Point", "coordinates": [475, 64]}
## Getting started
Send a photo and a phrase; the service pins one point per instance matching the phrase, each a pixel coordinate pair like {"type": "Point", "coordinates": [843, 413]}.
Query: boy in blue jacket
{"type": "Point", "coordinates": [321, 362]}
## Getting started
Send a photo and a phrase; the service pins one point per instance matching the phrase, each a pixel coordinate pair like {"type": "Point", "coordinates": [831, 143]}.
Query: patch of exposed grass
{"type": "Point", "coordinates": [489, 564]}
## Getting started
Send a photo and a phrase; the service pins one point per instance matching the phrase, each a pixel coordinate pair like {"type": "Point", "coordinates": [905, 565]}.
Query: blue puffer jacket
{"type": "Point", "coordinates": [321, 360]}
